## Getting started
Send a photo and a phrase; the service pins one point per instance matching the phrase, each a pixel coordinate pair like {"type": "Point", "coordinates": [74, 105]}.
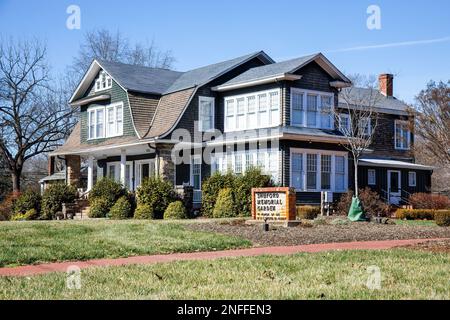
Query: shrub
{"type": "Point", "coordinates": [27, 201]}
{"type": "Point", "coordinates": [224, 207]}
{"type": "Point", "coordinates": [442, 218]}
{"type": "Point", "coordinates": [98, 208]}
{"type": "Point", "coordinates": [307, 212]}
{"type": "Point", "coordinates": [415, 214]}
{"type": "Point", "coordinates": [54, 196]}
{"type": "Point", "coordinates": [7, 205]}
{"type": "Point", "coordinates": [429, 201]}
{"type": "Point", "coordinates": [157, 193]}
{"type": "Point", "coordinates": [370, 200]}
{"type": "Point", "coordinates": [143, 211]}
{"type": "Point", "coordinates": [28, 215]}
{"type": "Point", "coordinates": [121, 209]}
{"type": "Point", "coordinates": [107, 189]}
{"type": "Point", "coordinates": [175, 210]}
{"type": "Point", "coordinates": [211, 188]}
{"type": "Point", "coordinates": [253, 178]}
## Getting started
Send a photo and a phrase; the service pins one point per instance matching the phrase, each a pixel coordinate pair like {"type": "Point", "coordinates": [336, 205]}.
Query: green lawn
{"type": "Point", "coordinates": [405, 274]}
{"type": "Point", "coordinates": [425, 223]}
{"type": "Point", "coordinates": [42, 241]}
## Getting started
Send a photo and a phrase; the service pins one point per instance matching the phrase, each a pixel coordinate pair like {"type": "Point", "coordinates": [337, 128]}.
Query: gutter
{"type": "Point", "coordinates": [244, 84]}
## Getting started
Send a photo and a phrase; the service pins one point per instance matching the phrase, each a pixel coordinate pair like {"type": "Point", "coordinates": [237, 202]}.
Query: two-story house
{"type": "Point", "coordinates": [137, 122]}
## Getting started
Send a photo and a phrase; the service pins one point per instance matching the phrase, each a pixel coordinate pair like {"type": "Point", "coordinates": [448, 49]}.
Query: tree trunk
{"type": "Point", "coordinates": [355, 162]}
{"type": "Point", "coordinates": [15, 177]}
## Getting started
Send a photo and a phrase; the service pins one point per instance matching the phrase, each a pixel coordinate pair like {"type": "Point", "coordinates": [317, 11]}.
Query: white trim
{"type": "Point", "coordinates": [191, 178]}
{"type": "Point", "coordinates": [318, 154]}
{"type": "Point", "coordinates": [319, 95]}
{"type": "Point", "coordinates": [403, 122]}
{"type": "Point", "coordinates": [412, 182]}
{"type": "Point", "coordinates": [392, 164]}
{"type": "Point", "coordinates": [117, 172]}
{"type": "Point", "coordinates": [94, 109]}
{"type": "Point", "coordinates": [212, 110]}
{"type": "Point", "coordinates": [138, 170]}
{"type": "Point", "coordinates": [255, 82]}
{"type": "Point", "coordinates": [98, 80]}
{"type": "Point", "coordinates": [394, 195]}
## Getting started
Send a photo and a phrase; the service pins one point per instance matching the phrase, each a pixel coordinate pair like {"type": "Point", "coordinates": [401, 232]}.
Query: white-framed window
{"type": "Point", "coordinates": [144, 169]}
{"type": "Point", "coordinates": [205, 113]}
{"type": "Point", "coordinates": [412, 178]}
{"type": "Point", "coordinates": [113, 172]}
{"type": "Point", "coordinates": [402, 135]}
{"type": "Point", "coordinates": [196, 178]}
{"type": "Point", "coordinates": [366, 125]}
{"type": "Point", "coordinates": [103, 81]}
{"type": "Point", "coordinates": [371, 177]}
{"type": "Point", "coordinates": [239, 162]}
{"type": "Point", "coordinates": [255, 110]}
{"type": "Point", "coordinates": [317, 170]}
{"type": "Point", "coordinates": [105, 121]}
{"type": "Point", "coordinates": [312, 109]}
{"type": "Point", "coordinates": [344, 124]}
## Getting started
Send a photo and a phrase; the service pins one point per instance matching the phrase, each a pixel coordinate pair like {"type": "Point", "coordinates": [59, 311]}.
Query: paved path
{"type": "Point", "coordinates": [62, 266]}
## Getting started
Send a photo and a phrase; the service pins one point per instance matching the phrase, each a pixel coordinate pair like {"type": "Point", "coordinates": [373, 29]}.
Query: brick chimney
{"type": "Point", "coordinates": [386, 84]}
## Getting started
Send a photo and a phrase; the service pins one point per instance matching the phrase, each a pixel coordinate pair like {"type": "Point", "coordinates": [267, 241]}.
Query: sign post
{"type": "Point", "coordinates": [273, 204]}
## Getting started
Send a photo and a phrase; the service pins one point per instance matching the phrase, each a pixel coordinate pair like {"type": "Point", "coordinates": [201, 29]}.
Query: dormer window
{"type": "Point", "coordinates": [103, 81]}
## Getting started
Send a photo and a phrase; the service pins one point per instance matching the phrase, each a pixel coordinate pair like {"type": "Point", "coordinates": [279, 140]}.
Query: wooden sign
{"type": "Point", "coordinates": [276, 203]}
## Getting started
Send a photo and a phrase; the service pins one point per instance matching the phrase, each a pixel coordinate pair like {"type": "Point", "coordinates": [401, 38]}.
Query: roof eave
{"type": "Point", "coordinates": [245, 84]}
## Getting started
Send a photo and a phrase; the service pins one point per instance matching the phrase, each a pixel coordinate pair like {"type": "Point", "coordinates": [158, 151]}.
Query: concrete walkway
{"type": "Point", "coordinates": [256, 251]}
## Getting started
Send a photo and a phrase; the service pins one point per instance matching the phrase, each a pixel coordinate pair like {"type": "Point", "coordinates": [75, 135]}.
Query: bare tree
{"type": "Point", "coordinates": [34, 114]}
{"type": "Point", "coordinates": [432, 123]}
{"type": "Point", "coordinates": [357, 118]}
{"type": "Point", "coordinates": [115, 47]}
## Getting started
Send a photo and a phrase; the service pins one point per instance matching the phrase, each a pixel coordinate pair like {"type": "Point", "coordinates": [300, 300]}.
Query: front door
{"type": "Point", "coordinates": [394, 186]}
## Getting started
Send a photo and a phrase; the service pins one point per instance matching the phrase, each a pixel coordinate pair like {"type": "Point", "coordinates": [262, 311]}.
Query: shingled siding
{"type": "Point", "coordinates": [117, 95]}
{"type": "Point", "coordinates": [143, 107]}
{"type": "Point", "coordinates": [383, 144]}
{"type": "Point", "coordinates": [313, 78]}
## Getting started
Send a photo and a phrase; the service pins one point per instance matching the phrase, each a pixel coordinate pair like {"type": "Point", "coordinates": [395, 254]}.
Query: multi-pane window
{"type": "Point", "coordinates": [311, 114]}
{"type": "Point", "coordinates": [318, 170]}
{"type": "Point", "coordinates": [206, 113]}
{"type": "Point", "coordinates": [371, 177]}
{"type": "Point", "coordinates": [339, 163]}
{"type": "Point", "coordinates": [311, 171]}
{"type": "Point", "coordinates": [412, 179]}
{"type": "Point", "coordinates": [402, 135]}
{"type": "Point", "coordinates": [365, 126]}
{"type": "Point", "coordinates": [326, 112]}
{"type": "Point", "coordinates": [312, 108]}
{"type": "Point", "coordinates": [98, 127]}
{"type": "Point", "coordinates": [250, 111]}
{"type": "Point", "coordinates": [103, 81]}
{"type": "Point", "coordinates": [238, 164]}
{"type": "Point", "coordinates": [240, 119]}
{"type": "Point", "coordinates": [297, 108]}
{"type": "Point", "coordinates": [196, 179]}
{"type": "Point", "coordinates": [248, 160]}
{"type": "Point", "coordinates": [297, 171]}
{"type": "Point", "coordinates": [344, 124]}
{"type": "Point", "coordinates": [325, 163]}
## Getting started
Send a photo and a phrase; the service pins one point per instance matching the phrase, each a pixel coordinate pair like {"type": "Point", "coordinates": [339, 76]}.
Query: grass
{"type": "Point", "coordinates": [405, 274]}
{"type": "Point", "coordinates": [30, 242]}
{"type": "Point", "coordinates": [425, 223]}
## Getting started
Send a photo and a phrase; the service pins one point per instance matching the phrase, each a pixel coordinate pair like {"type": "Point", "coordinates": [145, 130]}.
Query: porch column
{"type": "Point", "coordinates": [90, 177]}
{"type": "Point", "coordinates": [73, 163]}
{"type": "Point", "coordinates": [123, 164]}
{"type": "Point", "coordinates": [165, 165]}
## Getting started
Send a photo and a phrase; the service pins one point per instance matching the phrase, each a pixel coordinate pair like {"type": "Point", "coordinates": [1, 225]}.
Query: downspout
{"type": "Point", "coordinates": [156, 158]}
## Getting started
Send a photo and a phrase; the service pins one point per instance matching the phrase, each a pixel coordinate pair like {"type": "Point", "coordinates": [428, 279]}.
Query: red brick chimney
{"type": "Point", "coordinates": [386, 84]}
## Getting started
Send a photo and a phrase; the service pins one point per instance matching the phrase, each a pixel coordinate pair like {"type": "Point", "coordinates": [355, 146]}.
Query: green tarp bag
{"type": "Point", "coordinates": [355, 213]}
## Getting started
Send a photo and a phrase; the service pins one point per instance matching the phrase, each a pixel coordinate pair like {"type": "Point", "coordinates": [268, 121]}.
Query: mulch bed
{"type": "Point", "coordinates": [438, 246]}
{"type": "Point", "coordinates": [320, 233]}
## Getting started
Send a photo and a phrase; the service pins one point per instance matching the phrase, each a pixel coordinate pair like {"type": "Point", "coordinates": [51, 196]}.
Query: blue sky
{"type": "Point", "coordinates": [203, 32]}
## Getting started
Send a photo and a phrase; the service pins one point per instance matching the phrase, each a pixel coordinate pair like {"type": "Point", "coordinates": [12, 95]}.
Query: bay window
{"type": "Point", "coordinates": [312, 109]}
{"type": "Point", "coordinates": [251, 111]}
{"type": "Point", "coordinates": [402, 135]}
{"type": "Point", "coordinates": [206, 113]}
{"type": "Point", "coordinates": [317, 170]}
{"type": "Point", "coordinates": [105, 122]}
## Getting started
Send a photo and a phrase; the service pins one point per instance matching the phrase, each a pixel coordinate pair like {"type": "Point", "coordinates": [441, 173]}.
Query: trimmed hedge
{"type": "Point", "coordinates": [224, 207]}
{"type": "Point", "coordinates": [143, 211]}
{"type": "Point", "coordinates": [415, 214]}
{"type": "Point", "coordinates": [26, 201]}
{"type": "Point", "coordinates": [54, 196]}
{"type": "Point", "coordinates": [175, 210]}
{"type": "Point", "coordinates": [211, 188]}
{"type": "Point", "coordinates": [442, 218]}
{"type": "Point", "coordinates": [157, 193]}
{"type": "Point", "coordinates": [121, 209]}
{"type": "Point", "coordinates": [107, 189]}
{"type": "Point", "coordinates": [98, 208]}
{"type": "Point", "coordinates": [307, 212]}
